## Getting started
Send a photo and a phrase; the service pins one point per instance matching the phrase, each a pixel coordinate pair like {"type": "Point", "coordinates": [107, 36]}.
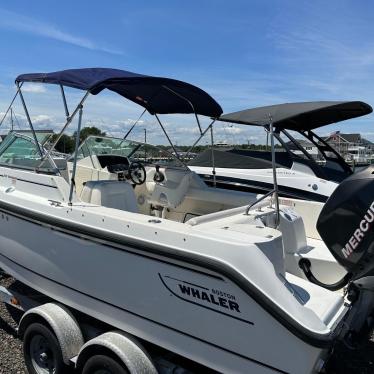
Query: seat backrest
{"type": "Point", "coordinates": [111, 194]}
{"type": "Point", "coordinates": [171, 192]}
{"type": "Point", "coordinates": [308, 210]}
{"type": "Point", "coordinates": [293, 231]}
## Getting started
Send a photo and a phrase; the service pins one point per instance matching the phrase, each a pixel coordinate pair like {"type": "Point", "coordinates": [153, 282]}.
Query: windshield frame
{"type": "Point", "coordinates": [12, 137]}
{"type": "Point", "coordinates": [137, 146]}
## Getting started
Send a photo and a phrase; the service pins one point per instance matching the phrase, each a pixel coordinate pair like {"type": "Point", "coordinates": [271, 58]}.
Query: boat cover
{"type": "Point", "coordinates": [156, 94]}
{"type": "Point", "coordinates": [300, 116]}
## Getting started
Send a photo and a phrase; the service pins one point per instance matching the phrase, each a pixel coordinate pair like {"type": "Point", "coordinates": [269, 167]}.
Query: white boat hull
{"type": "Point", "coordinates": [138, 292]}
{"type": "Point", "coordinates": [291, 183]}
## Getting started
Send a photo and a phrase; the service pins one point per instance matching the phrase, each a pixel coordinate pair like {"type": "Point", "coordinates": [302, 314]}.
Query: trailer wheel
{"type": "Point", "coordinates": [101, 364]}
{"type": "Point", "coordinates": [42, 351]}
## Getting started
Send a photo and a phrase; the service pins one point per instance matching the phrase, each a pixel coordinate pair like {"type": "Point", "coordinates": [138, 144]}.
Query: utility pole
{"type": "Point", "coordinates": [145, 144]}
{"type": "Point", "coordinates": [11, 119]}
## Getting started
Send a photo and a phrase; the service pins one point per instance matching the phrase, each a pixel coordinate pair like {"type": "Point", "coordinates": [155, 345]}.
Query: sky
{"type": "Point", "coordinates": [245, 53]}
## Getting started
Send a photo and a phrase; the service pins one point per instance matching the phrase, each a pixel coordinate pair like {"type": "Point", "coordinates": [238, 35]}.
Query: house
{"type": "Point", "coordinates": [344, 143]}
{"type": "Point", "coordinates": [352, 147]}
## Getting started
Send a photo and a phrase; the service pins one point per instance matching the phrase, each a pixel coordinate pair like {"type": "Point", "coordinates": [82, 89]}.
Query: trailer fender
{"type": "Point", "coordinates": [62, 323]}
{"type": "Point", "coordinates": [123, 346]}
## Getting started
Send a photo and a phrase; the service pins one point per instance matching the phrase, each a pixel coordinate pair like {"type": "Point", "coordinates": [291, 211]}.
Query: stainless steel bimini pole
{"type": "Point", "coordinates": [167, 136]}
{"type": "Point", "coordinates": [132, 127]}
{"type": "Point", "coordinates": [199, 138]}
{"type": "Point", "coordinates": [72, 179]}
{"type": "Point", "coordinates": [189, 102]}
{"type": "Point", "coordinates": [213, 162]}
{"type": "Point", "coordinates": [64, 101]}
{"type": "Point", "coordinates": [68, 121]}
{"type": "Point", "coordinates": [29, 121]}
{"type": "Point", "coordinates": [276, 199]}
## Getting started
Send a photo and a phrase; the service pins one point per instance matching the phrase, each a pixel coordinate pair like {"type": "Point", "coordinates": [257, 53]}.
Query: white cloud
{"type": "Point", "coordinates": [130, 122]}
{"type": "Point", "coordinates": [43, 120]}
{"type": "Point", "coordinates": [40, 121]}
{"type": "Point", "coordinates": [18, 22]}
{"type": "Point", "coordinates": [34, 88]}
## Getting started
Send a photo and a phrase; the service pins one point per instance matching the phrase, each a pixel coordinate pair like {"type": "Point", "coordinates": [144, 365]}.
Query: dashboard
{"type": "Point", "coordinates": [114, 163]}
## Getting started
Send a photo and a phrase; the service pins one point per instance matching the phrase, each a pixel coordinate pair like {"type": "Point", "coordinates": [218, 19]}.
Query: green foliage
{"type": "Point", "coordinates": [87, 131]}
{"type": "Point", "coordinates": [66, 143]}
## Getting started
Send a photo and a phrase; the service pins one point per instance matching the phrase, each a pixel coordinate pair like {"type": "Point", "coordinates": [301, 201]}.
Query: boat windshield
{"type": "Point", "coordinates": [41, 136]}
{"type": "Point", "coordinates": [19, 150]}
{"type": "Point", "coordinates": [134, 151]}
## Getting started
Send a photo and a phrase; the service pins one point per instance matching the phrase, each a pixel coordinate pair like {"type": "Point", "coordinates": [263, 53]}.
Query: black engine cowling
{"type": "Point", "coordinates": [346, 223]}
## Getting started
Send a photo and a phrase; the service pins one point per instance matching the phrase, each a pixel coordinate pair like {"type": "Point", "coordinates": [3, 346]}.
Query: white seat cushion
{"type": "Point", "coordinates": [111, 194]}
{"type": "Point", "coordinates": [293, 231]}
{"type": "Point", "coordinates": [169, 193]}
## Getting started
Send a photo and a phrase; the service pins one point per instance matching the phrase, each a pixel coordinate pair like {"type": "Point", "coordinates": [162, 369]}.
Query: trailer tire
{"type": "Point", "coordinates": [42, 351]}
{"type": "Point", "coordinates": [103, 364]}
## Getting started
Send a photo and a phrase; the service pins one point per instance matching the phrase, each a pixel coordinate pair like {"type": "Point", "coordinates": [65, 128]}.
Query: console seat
{"type": "Point", "coordinates": [111, 194]}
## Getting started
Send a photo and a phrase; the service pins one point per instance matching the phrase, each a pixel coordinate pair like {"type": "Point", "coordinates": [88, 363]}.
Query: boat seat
{"type": "Point", "coordinates": [293, 231]}
{"type": "Point", "coordinates": [169, 193]}
{"type": "Point", "coordinates": [111, 194]}
{"type": "Point", "coordinates": [226, 197]}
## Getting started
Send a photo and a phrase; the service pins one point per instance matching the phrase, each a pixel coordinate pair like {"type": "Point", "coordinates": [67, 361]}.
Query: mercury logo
{"type": "Point", "coordinates": [359, 233]}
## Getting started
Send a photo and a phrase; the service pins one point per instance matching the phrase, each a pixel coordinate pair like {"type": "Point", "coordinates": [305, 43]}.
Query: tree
{"type": "Point", "coordinates": [87, 131]}
{"type": "Point", "coordinates": [66, 143]}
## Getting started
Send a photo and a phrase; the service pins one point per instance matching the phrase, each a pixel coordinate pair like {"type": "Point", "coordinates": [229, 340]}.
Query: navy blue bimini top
{"type": "Point", "coordinates": [158, 95]}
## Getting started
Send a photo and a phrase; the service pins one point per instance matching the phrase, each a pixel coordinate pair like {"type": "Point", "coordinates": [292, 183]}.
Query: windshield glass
{"type": "Point", "coordinates": [135, 151]}
{"type": "Point", "coordinates": [41, 136]}
{"type": "Point", "coordinates": [18, 149]}
{"type": "Point", "coordinates": [108, 146]}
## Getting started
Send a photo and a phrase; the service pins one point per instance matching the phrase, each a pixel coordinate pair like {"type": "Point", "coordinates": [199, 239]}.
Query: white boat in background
{"type": "Point", "coordinates": [300, 173]}
{"type": "Point", "coordinates": [358, 155]}
{"type": "Point", "coordinates": [251, 171]}
{"type": "Point", "coordinates": [215, 277]}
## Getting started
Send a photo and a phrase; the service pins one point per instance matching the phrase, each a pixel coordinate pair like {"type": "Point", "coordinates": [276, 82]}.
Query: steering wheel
{"type": "Point", "coordinates": [136, 173]}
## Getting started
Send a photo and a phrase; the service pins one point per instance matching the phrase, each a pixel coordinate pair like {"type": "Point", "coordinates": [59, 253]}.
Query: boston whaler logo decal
{"type": "Point", "coordinates": [209, 298]}
{"type": "Point", "coordinates": [359, 233]}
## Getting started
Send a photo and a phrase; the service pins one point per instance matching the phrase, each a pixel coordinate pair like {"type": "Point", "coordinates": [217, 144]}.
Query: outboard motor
{"type": "Point", "coordinates": [346, 225]}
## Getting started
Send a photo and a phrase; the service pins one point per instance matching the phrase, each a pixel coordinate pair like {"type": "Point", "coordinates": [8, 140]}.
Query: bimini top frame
{"type": "Point", "coordinates": [302, 117]}
{"type": "Point", "coordinates": [156, 94]}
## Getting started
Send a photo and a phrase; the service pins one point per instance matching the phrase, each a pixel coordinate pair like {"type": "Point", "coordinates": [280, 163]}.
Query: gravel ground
{"type": "Point", "coordinates": [11, 357]}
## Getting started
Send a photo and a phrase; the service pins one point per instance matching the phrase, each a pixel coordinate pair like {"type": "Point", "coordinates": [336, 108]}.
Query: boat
{"type": "Point", "coordinates": [357, 156]}
{"type": "Point", "coordinates": [151, 250]}
{"type": "Point", "coordinates": [307, 167]}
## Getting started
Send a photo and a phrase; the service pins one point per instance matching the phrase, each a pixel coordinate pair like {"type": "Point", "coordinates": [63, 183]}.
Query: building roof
{"type": "Point", "coordinates": [348, 138]}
